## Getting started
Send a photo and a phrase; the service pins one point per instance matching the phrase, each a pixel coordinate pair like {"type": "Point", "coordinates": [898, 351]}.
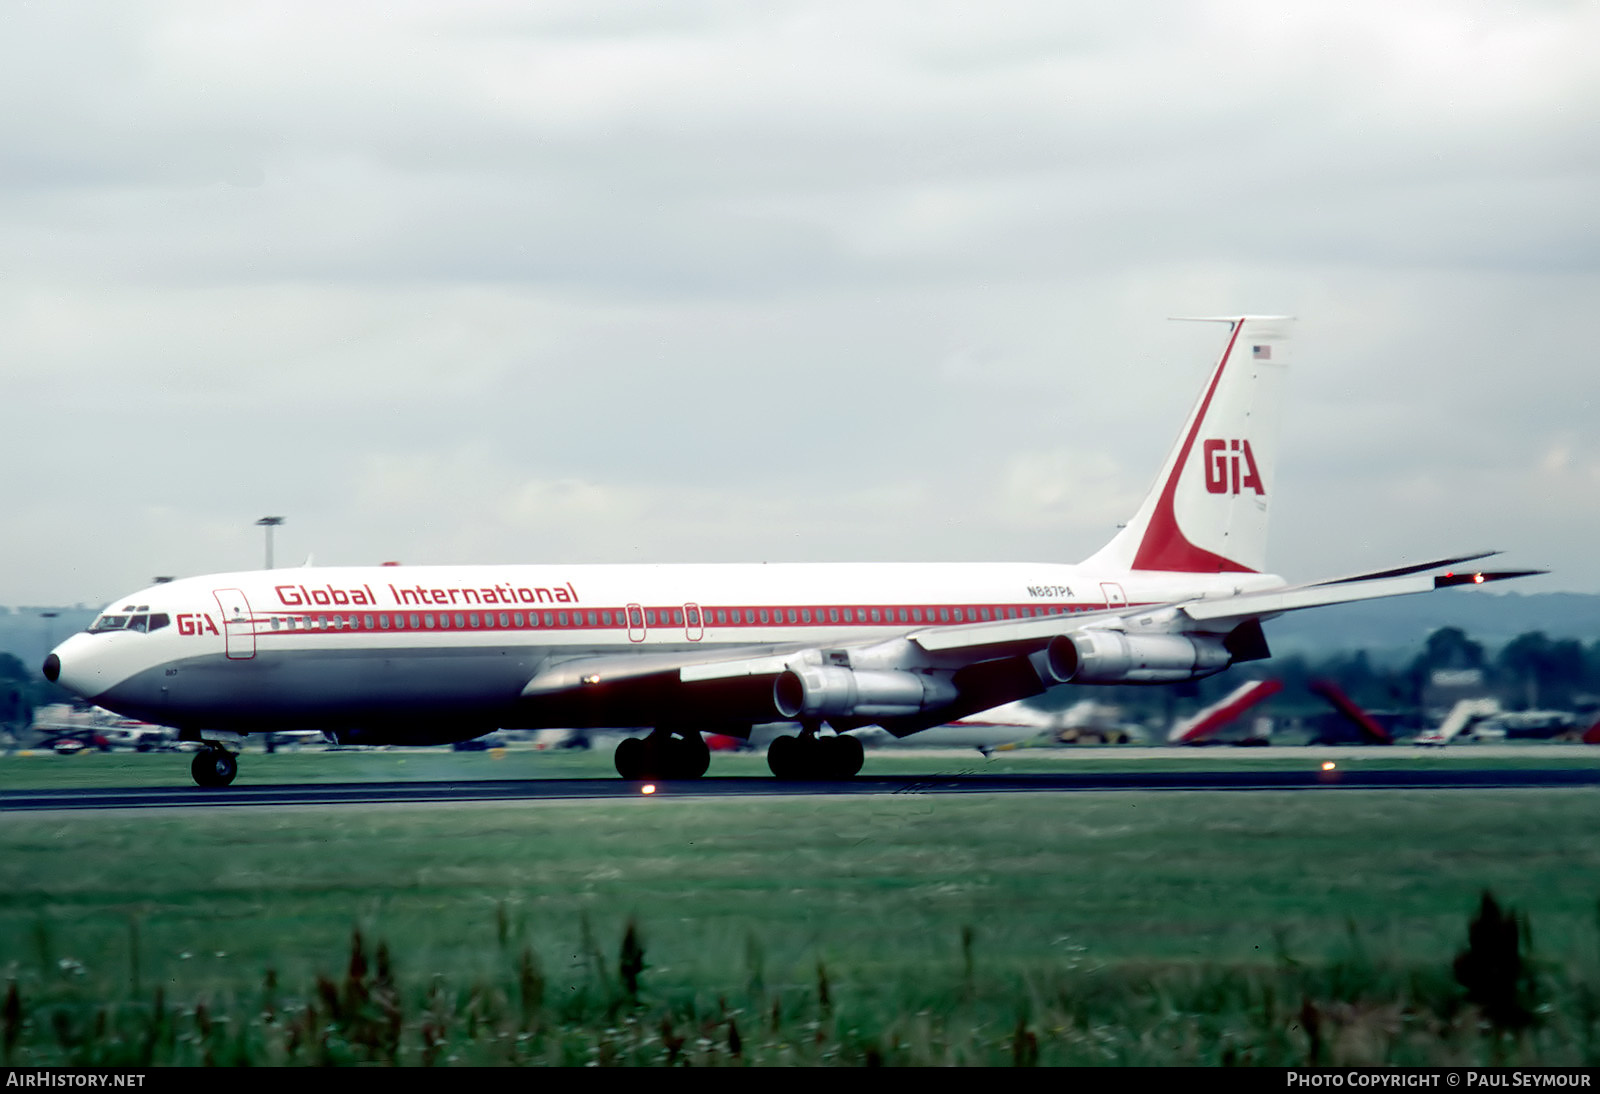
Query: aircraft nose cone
{"type": "Point", "coordinates": [52, 668]}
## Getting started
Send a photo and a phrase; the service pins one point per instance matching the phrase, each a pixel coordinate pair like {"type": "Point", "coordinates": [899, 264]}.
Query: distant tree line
{"type": "Point", "coordinates": [1531, 672]}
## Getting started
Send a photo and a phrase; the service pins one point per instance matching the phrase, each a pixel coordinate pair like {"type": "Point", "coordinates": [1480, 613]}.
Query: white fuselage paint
{"type": "Point", "coordinates": [336, 647]}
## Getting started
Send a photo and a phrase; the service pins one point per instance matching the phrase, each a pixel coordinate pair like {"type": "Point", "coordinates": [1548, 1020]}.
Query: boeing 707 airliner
{"type": "Point", "coordinates": [435, 654]}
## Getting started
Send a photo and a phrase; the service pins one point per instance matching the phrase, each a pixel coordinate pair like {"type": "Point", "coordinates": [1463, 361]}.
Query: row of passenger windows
{"type": "Point", "coordinates": [641, 618]}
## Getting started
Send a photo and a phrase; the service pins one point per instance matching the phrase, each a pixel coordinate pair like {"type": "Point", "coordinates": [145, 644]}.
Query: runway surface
{"type": "Point", "coordinates": [603, 789]}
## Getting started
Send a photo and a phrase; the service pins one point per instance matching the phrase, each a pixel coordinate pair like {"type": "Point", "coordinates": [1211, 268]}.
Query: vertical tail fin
{"type": "Point", "coordinates": [1207, 512]}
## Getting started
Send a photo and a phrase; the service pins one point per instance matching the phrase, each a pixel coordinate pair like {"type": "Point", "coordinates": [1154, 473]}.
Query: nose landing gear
{"type": "Point", "coordinates": [214, 766]}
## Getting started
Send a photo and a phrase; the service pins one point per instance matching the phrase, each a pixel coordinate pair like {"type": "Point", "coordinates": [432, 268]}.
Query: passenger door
{"type": "Point", "coordinates": [238, 624]}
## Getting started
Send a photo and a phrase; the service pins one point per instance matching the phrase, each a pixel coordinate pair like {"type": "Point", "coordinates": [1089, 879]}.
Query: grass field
{"type": "Point", "coordinates": [1103, 928]}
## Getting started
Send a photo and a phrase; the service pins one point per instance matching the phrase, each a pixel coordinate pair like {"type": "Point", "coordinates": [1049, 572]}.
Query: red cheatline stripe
{"type": "Point", "coordinates": [616, 619]}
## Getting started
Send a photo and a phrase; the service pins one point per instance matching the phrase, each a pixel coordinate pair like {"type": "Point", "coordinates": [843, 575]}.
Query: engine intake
{"type": "Point", "coordinates": [832, 691]}
{"type": "Point", "coordinates": [1112, 657]}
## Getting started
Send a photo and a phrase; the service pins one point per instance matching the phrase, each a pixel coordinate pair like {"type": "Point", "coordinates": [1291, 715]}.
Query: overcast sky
{"type": "Point", "coordinates": [596, 282]}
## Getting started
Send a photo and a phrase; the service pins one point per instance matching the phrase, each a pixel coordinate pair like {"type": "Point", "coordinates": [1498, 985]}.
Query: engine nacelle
{"type": "Point", "coordinates": [832, 691]}
{"type": "Point", "coordinates": [1112, 657]}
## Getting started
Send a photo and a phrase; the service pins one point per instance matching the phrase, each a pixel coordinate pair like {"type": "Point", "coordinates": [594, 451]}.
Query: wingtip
{"type": "Point", "coordinates": [1482, 577]}
{"type": "Point", "coordinates": [1412, 568]}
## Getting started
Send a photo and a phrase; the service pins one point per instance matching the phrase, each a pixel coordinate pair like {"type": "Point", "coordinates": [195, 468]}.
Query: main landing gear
{"type": "Point", "coordinates": [809, 756]}
{"type": "Point", "coordinates": [665, 754]}
{"type": "Point", "coordinates": [683, 754]}
{"type": "Point", "coordinates": [214, 766]}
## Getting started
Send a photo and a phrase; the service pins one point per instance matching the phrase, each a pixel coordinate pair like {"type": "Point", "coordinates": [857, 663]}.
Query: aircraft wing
{"type": "Point", "coordinates": [1219, 613]}
{"type": "Point", "coordinates": [561, 677]}
{"type": "Point", "coordinates": [931, 675]}
{"type": "Point", "coordinates": [586, 672]}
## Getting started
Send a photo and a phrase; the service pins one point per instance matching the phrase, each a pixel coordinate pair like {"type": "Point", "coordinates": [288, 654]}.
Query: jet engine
{"type": "Point", "coordinates": [1112, 657]}
{"type": "Point", "coordinates": [833, 691]}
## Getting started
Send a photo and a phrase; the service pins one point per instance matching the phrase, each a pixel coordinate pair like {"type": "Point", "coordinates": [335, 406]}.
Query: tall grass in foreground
{"type": "Point", "coordinates": [1495, 1005]}
{"type": "Point", "coordinates": [1268, 927]}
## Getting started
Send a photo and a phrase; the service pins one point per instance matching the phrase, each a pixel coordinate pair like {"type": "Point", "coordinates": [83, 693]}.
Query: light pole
{"type": "Point", "coordinates": [269, 523]}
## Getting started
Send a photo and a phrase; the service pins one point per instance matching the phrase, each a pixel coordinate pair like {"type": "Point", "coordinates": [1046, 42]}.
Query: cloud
{"type": "Point", "coordinates": [801, 280]}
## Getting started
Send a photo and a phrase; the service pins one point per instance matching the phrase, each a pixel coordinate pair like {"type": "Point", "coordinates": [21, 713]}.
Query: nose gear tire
{"type": "Point", "coordinates": [214, 767]}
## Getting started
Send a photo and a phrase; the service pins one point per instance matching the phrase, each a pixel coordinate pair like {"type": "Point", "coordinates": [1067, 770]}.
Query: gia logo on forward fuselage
{"type": "Point", "coordinates": [191, 623]}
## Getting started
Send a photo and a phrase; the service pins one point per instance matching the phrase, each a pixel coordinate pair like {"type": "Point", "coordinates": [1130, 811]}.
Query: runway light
{"type": "Point", "coordinates": [1328, 765]}
{"type": "Point", "coordinates": [648, 788]}
{"type": "Point", "coordinates": [1477, 579]}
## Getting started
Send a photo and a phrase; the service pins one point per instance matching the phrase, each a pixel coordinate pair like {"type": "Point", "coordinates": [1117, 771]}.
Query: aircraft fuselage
{"type": "Point", "coordinates": [449, 650]}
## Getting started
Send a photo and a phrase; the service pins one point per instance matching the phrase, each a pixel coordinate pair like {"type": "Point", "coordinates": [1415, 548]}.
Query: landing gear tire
{"type": "Point", "coordinates": [663, 755]}
{"type": "Point", "coordinates": [630, 759]}
{"type": "Point", "coordinates": [844, 756]}
{"type": "Point", "coordinates": [786, 757]}
{"type": "Point", "coordinates": [811, 757]}
{"type": "Point", "coordinates": [688, 756]}
{"type": "Point", "coordinates": [214, 767]}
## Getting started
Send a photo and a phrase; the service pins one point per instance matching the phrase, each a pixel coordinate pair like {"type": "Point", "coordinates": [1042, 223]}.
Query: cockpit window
{"type": "Point", "coordinates": [140, 623]}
